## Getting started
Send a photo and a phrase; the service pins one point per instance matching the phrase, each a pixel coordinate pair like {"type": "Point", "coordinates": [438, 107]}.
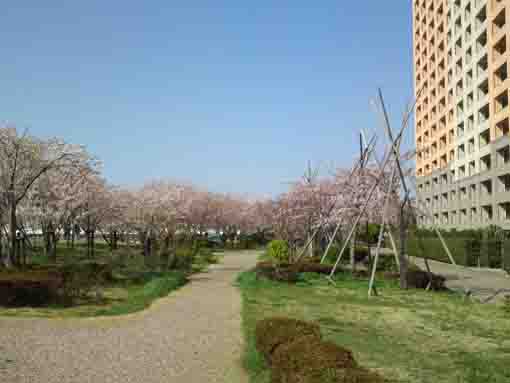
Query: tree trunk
{"type": "Point", "coordinates": [46, 239]}
{"type": "Point", "coordinates": [24, 251]}
{"type": "Point", "coordinates": [115, 240]}
{"type": "Point", "coordinates": [87, 237]}
{"type": "Point", "coordinates": [53, 246]}
{"type": "Point", "coordinates": [2, 246]}
{"type": "Point", "coordinates": [147, 245]}
{"type": "Point", "coordinates": [18, 253]}
{"type": "Point", "coordinates": [403, 249]}
{"type": "Point", "coordinates": [12, 226]}
{"type": "Point", "coordinates": [111, 240]}
{"type": "Point", "coordinates": [167, 245]}
{"type": "Point", "coordinates": [76, 229]}
{"type": "Point", "coordinates": [92, 243]}
{"type": "Point", "coordinates": [353, 252]}
{"type": "Point", "coordinates": [68, 235]}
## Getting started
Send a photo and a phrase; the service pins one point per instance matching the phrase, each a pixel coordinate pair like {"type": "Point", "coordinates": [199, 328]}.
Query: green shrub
{"type": "Point", "coordinates": [271, 333]}
{"type": "Point", "coordinates": [278, 250]}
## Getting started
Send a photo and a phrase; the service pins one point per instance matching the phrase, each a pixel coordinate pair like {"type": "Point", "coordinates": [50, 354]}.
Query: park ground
{"type": "Point", "coordinates": [204, 332]}
{"type": "Point", "coordinates": [193, 335]}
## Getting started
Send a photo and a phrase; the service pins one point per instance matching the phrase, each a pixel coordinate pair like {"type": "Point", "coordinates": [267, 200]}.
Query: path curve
{"type": "Point", "coordinates": [193, 335]}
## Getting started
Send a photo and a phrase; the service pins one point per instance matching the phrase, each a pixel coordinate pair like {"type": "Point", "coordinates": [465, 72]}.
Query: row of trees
{"type": "Point", "coordinates": [57, 188]}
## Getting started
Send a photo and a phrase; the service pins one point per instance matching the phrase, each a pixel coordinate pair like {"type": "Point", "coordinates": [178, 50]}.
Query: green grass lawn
{"type": "Point", "coordinates": [407, 336]}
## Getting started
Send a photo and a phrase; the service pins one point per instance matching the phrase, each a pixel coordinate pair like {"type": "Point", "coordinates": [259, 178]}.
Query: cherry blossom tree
{"type": "Point", "coordinates": [24, 159]}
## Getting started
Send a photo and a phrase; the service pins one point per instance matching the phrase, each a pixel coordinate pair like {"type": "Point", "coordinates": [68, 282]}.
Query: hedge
{"type": "Point", "coordinates": [296, 353]}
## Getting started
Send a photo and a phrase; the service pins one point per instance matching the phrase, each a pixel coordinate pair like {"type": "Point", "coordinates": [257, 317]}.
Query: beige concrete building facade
{"type": "Point", "coordinates": [462, 115]}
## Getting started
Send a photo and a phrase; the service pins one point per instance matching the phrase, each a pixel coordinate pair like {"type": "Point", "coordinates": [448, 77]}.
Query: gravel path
{"type": "Point", "coordinates": [193, 335]}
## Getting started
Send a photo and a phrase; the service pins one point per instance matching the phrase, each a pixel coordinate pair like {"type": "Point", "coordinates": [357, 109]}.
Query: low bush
{"type": "Point", "coordinates": [278, 250]}
{"type": "Point", "coordinates": [314, 267]}
{"type": "Point", "coordinates": [282, 273]}
{"type": "Point", "coordinates": [79, 279]}
{"type": "Point", "coordinates": [297, 354]}
{"type": "Point", "coordinates": [63, 284]}
{"type": "Point", "coordinates": [308, 358]}
{"type": "Point", "coordinates": [31, 288]}
{"type": "Point", "coordinates": [419, 279]}
{"type": "Point", "coordinates": [290, 272]}
{"type": "Point", "coordinates": [273, 332]}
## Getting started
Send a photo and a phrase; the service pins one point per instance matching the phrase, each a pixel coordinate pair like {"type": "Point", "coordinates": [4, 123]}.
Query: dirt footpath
{"type": "Point", "coordinates": [193, 335]}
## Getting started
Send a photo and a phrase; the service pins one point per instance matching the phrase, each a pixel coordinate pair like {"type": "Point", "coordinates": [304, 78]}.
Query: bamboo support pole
{"type": "Point", "coordinates": [381, 232]}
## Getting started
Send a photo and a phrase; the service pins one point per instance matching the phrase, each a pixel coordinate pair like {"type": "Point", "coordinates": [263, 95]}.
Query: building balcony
{"type": "Point", "coordinates": [480, 25]}
{"type": "Point", "coordinates": [482, 100]}
{"type": "Point", "coordinates": [497, 6]}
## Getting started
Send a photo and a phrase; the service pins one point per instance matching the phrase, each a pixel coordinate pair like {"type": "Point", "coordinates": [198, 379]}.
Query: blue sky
{"type": "Point", "coordinates": [236, 96]}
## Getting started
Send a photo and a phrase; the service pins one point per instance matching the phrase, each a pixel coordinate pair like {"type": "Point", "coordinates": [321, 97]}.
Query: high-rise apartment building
{"type": "Point", "coordinates": [462, 115]}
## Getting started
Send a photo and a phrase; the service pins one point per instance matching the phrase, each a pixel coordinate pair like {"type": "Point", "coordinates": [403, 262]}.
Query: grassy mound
{"type": "Point", "coordinates": [273, 332]}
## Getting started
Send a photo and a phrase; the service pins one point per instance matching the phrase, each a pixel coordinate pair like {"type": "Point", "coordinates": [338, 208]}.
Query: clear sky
{"type": "Point", "coordinates": [233, 95]}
